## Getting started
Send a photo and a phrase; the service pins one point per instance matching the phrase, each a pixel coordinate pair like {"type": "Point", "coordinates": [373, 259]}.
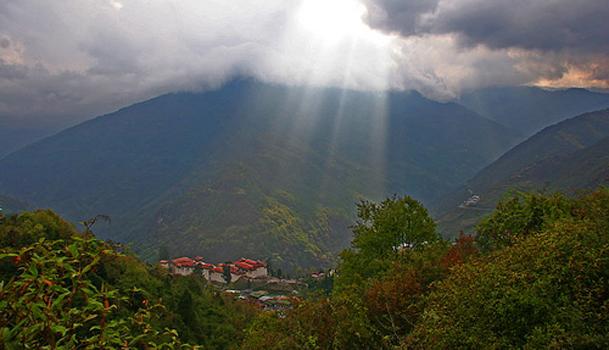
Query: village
{"type": "Point", "coordinates": [250, 280]}
{"type": "Point", "coordinates": [224, 273]}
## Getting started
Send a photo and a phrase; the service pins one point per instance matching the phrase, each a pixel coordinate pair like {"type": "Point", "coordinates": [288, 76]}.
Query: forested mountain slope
{"type": "Point", "coordinates": [251, 168]}
{"type": "Point", "coordinates": [571, 154]}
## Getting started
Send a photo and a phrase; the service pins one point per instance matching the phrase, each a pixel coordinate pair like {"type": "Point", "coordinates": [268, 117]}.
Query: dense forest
{"type": "Point", "coordinates": [535, 275]}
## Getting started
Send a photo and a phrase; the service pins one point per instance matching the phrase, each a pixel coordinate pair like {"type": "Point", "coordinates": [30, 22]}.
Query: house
{"type": "Point", "coordinates": [253, 269]}
{"type": "Point", "coordinates": [182, 266]}
{"type": "Point", "coordinates": [244, 268]}
{"type": "Point", "coordinates": [213, 273]}
{"type": "Point", "coordinates": [235, 272]}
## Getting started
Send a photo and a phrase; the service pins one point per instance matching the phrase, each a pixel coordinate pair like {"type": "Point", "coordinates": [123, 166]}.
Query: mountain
{"type": "Point", "coordinates": [10, 205]}
{"type": "Point", "coordinates": [573, 154]}
{"type": "Point", "coordinates": [251, 169]}
{"type": "Point", "coordinates": [531, 109]}
{"type": "Point", "coordinates": [13, 137]}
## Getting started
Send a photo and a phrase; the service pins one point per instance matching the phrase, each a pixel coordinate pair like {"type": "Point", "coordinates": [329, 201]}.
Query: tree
{"type": "Point", "coordinates": [390, 229]}
{"type": "Point", "coordinates": [226, 273]}
{"type": "Point", "coordinates": [546, 289]}
{"type": "Point", "coordinates": [385, 234]}
{"type": "Point", "coordinates": [521, 214]}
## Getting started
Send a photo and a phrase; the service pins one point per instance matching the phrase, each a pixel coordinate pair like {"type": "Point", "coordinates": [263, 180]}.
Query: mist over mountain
{"type": "Point", "coordinates": [252, 169]}
{"type": "Point", "coordinates": [573, 154]}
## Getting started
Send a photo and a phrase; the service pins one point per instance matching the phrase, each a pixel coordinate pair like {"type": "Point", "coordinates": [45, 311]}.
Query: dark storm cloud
{"type": "Point", "coordinates": [543, 25]}
{"type": "Point", "coordinates": [401, 16]}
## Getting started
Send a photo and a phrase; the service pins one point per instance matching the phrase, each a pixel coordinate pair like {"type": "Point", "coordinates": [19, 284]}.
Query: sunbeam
{"type": "Point", "coordinates": [343, 52]}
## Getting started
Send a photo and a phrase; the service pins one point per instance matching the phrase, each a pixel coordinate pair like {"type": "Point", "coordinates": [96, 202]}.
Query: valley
{"type": "Point", "coordinates": [304, 175]}
{"type": "Point", "coordinates": [255, 169]}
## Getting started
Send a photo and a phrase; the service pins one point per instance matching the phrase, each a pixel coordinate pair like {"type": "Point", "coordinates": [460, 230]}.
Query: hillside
{"type": "Point", "coordinates": [571, 154]}
{"type": "Point", "coordinates": [66, 289]}
{"type": "Point", "coordinates": [10, 205]}
{"type": "Point", "coordinates": [251, 168]}
{"type": "Point", "coordinates": [531, 109]}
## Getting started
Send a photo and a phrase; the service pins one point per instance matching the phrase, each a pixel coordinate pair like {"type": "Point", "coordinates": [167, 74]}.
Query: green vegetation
{"type": "Point", "coordinates": [535, 276]}
{"type": "Point", "coordinates": [62, 289]}
{"type": "Point", "coordinates": [548, 288]}
{"type": "Point", "coordinates": [387, 234]}
{"type": "Point", "coordinates": [570, 154]}
{"type": "Point", "coordinates": [541, 280]}
{"type": "Point", "coordinates": [251, 169]}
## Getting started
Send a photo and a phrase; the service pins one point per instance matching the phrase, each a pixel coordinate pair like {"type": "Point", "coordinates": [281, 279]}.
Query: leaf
{"type": "Point", "coordinates": [59, 300]}
{"type": "Point", "coordinates": [73, 249]}
{"type": "Point", "coordinates": [135, 340]}
{"type": "Point", "coordinates": [89, 318]}
{"type": "Point", "coordinates": [88, 267]}
{"type": "Point", "coordinates": [55, 328]}
{"type": "Point", "coordinates": [33, 270]}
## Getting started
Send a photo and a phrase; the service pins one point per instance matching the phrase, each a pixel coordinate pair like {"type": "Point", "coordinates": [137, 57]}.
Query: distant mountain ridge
{"type": "Point", "coordinates": [252, 169]}
{"type": "Point", "coordinates": [573, 154]}
{"type": "Point", "coordinates": [530, 109]}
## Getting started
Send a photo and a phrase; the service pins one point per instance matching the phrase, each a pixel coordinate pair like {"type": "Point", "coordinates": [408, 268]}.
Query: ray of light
{"type": "Point", "coordinates": [342, 52]}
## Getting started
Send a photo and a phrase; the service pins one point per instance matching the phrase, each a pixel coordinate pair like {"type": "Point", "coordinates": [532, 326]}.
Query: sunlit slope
{"type": "Point", "coordinates": [573, 154]}
{"type": "Point", "coordinates": [251, 168]}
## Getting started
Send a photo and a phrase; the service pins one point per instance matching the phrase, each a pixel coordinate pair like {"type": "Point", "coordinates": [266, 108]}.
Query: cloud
{"type": "Point", "coordinates": [73, 57]}
{"type": "Point", "coordinates": [542, 25]}
{"type": "Point", "coordinates": [66, 61]}
{"type": "Point", "coordinates": [438, 68]}
{"type": "Point", "coordinates": [406, 17]}
{"type": "Point", "coordinates": [572, 35]}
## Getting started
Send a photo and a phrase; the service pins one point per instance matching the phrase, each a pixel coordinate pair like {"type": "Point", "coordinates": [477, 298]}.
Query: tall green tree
{"type": "Point", "coordinates": [385, 234]}
{"type": "Point", "coordinates": [391, 228]}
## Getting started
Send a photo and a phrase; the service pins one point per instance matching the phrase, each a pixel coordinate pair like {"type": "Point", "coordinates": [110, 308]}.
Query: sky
{"type": "Point", "coordinates": [63, 62]}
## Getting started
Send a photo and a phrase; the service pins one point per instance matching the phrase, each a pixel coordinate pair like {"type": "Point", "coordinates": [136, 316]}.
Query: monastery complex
{"type": "Point", "coordinates": [244, 268]}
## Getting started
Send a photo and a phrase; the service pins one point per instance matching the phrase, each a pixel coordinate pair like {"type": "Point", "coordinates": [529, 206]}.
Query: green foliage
{"type": "Point", "coordinates": [392, 228]}
{"type": "Point", "coordinates": [521, 214]}
{"type": "Point", "coordinates": [74, 290]}
{"type": "Point", "coordinates": [27, 228]}
{"type": "Point", "coordinates": [547, 286]}
{"type": "Point", "coordinates": [543, 282]}
{"type": "Point", "coordinates": [384, 234]}
{"type": "Point", "coordinates": [548, 289]}
{"type": "Point", "coordinates": [338, 323]}
{"type": "Point", "coordinates": [51, 302]}
{"type": "Point", "coordinates": [529, 213]}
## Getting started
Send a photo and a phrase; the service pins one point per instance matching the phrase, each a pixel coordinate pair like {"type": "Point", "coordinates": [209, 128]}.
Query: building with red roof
{"type": "Point", "coordinates": [182, 266]}
{"type": "Point", "coordinates": [253, 269]}
{"type": "Point", "coordinates": [244, 268]}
